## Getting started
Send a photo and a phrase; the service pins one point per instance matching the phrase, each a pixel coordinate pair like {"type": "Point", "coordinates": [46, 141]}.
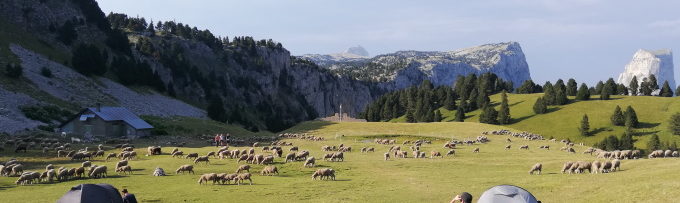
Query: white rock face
{"type": "Point", "coordinates": [645, 63]}
{"type": "Point", "coordinates": [357, 50]}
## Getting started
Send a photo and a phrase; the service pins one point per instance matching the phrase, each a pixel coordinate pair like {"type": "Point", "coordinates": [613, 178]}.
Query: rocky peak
{"type": "Point", "coordinates": [648, 62]}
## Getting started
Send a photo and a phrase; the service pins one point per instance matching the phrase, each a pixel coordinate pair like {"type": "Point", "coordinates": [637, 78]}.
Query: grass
{"type": "Point", "coordinates": [365, 177]}
{"type": "Point", "coordinates": [562, 121]}
{"type": "Point", "coordinates": [192, 127]}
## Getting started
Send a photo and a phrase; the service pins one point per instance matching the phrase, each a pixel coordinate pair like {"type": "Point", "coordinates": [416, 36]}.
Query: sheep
{"type": "Point", "coordinates": [338, 156]}
{"type": "Point", "coordinates": [94, 166]}
{"type": "Point", "coordinates": [48, 167]}
{"type": "Point", "coordinates": [207, 177]}
{"type": "Point", "coordinates": [230, 177]}
{"type": "Point", "coordinates": [571, 150]}
{"type": "Point", "coordinates": [605, 167]}
{"type": "Point", "coordinates": [244, 176]}
{"type": "Point", "coordinates": [267, 160]}
{"type": "Point", "coordinates": [212, 154]}
{"type": "Point", "coordinates": [124, 169]}
{"type": "Point", "coordinates": [51, 174]}
{"type": "Point", "coordinates": [421, 155]}
{"type": "Point", "coordinates": [524, 147]}
{"type": "Point", "coordinates": [18, 169]}
{"type": "Point", "coordinates": [301, 155]}
{"type": "Point", "coordinates": [451, 153]}
{"type": "Point", "coordinates": [325, 148]}
{"type": "Point", "coordinates": [125, 156]}
{"type": "Point", "coordinates": [257, 159]}
{"type": "Point", "coordinates": [582, 166]}
{"type": "Point", "coordinates": [121, 163]}
{"type": "Point", "coordinates": [63, 175]}
{"type": "Point", "coordinates": [243, 168]}
{"type": "Point", "coordinates": [78, 156]}
{"type": "Point", "coordinates": [616, 164]}
{"type": "Point", "coordinates": [269, 170]}
{"type": "Point", "coordinates": [80, 171]}
{"type": "Point", "coordinates": [187, 168]}
{"type": "Point", "coordinates": [363, 149]}
{"type": "Point", "coordinates": [243, 157]}
{"type": "Point", "coordinates": [310, 162]}
{"type": "Point", "coordinates": [595, 167]}
{"type": "Point", "coordinates": [387, 156]}
{"type": "Point", "coordinates": [279, 152]}
{"type": "Point", "coordinates": [265, 149]}
{"type": "Point", "coordinates": [668, 153]}
{"type": "Point", "coordinates": [61, 153]}
{"type": "Point", "coordinates": [328, 157]}
{"type": "Point", "coordinates": [99, 172]}
{"type": "Point", "coordinates": [202, 159]}
{"type": "Point", "coordinates": [154, 150]}
{"type": "Point", "coordinates": [111, 155]}
{"type": "Point", "coordinates": [86, 164]}
{"type": "Point", "coordinates": [251, 151]}
{"type": "Point", "coordinates": [99, 153]}
{"type": "Point", "coordinates": [294, 149]}
{"type": "Point", "coordinates": [27, 178]}
{"type": "Point", "coordinates": [235, 153]}
{"type": "Point", "coordinates": [536, 168]}
{"type": "Point", "coordinates": [507, 147]}
{"type": "Point", "coordinates": [179, 154]}
{"type": "Point", "coordinates": [567, 166]}
{"type": "Point", "coordinates": [132, 155]}
{"type": "Point", "coordinates": [324, 172]}
{"type": "Point", "coordinates": [192, 156]}
{"type": "Point", "coordinates": [370, 149]}
{"type": "Point", "coordinates": [435, 154]}
{"type": "Point", "coordinates": [476, 150]}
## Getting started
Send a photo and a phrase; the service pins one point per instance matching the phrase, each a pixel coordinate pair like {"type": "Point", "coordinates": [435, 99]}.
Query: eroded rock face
{"type": "Point", "coordinates": [646, 63]}
{"type": "Point", "coordinates": [406, 68]}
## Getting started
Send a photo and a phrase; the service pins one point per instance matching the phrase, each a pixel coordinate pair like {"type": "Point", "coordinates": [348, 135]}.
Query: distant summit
{"type": "Point", "coordinates": [357, 50]}
{"type": "Point", "coordinates": [648, 62]}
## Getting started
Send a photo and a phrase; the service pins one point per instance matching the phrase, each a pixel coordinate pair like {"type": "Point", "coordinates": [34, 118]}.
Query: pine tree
{"type": "Point", "coordinates": [472, 101]}
{"type": "Point", "coordinates": [674, 124]}
{"type": "Point", "coordinates": [585, 126]}
{"type": "Point", "coordinates": [646, 88]}
{"type": "Point", "coordinates": [605, 92]}
{"type": "Point", "coordinates": [631, 117]}
{"type": "Point", "coordinates": [489, 115]}
{"type": "Point", "coordinates": [621, 89]}
{"type": "Point", "coordinates": [216, 110]}
{"type": "Point", "coordinates": [527, 87]}
{"type": "Point", "coordinates": [504, 112]}
{"type": "Point", "coordinates": [539, 106]}
{"type": "Point", "coordinates": [677, 91]}
{"type": "Point", "coordinates": [549, 94]}
{"type": "Point", "coordinates": [633, 86]}
{"type": "Point", "coordinates": [561, 97]}
{"type": "Point", "coordinates": [654, 143]}
{"type": "Point", "coordinates": [666, 90]}
{"type": "Point", "coordinates": [598, 87]}
{"type": "Point", "coordinates": [460, 114]}
{"type": "Point", "coordinates": [612, 143]}
{"type": "Point", "coordinates": [617, 118]}
{"type": "Point", "coordinates": [409, 117]}
{"type": "Point", "coordinates": [437, 116]}
{"type": "Point", "coordinates": [627, 142]}
{"type": "Point", "coordinates": [653, 83]}
{"type": "Point", "coordinates": [151, 29]}
{"type": "Point", "coordinates": [450, 101]}
{"type": "Point", "coordinates": [571, 87]}
{"type": "Point", "coordinates": [583, 93]}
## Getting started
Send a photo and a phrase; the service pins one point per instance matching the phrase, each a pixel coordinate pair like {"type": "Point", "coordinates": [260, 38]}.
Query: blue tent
{"type": "Point", "coordinates": [92, 193]}
{"type": "Point", "coordinates": [507, 194]}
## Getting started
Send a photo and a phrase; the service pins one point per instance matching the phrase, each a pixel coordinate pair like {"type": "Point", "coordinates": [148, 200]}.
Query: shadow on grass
{"type": "Point", "coordinates": [520, 119]}
{"type": "Point", "coordinates": [638, 133]}
{"type": "Point", "coordinates": [647, 125]}
{"type": "Point", "coordinates": [599, 130]}
{"type": "Point", "coordinates": [553, 109]}
{"type": "Point", "coordinates": [516, 103]}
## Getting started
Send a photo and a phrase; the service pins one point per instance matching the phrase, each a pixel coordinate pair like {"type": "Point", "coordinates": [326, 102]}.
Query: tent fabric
{"type": "Point", "coordinates": [507, 194]}
{"type": "Point", "coordinates": [95, 193]}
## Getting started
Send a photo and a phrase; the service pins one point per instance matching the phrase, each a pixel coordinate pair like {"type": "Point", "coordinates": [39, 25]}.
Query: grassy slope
{"type": "Point", "coordinates": [182, 126]}
{"type": "Point", "coordinates": [367, 178]}
{"type": "Point", "coordinates": [562, 121]}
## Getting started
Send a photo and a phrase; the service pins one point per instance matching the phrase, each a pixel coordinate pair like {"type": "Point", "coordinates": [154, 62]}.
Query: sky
{"type": "Point", "coordinates": [588, 40]}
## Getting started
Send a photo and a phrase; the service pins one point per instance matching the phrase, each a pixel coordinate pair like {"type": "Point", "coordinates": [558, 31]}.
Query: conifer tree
{"type": "Point", "coordinates": [504, 112]}
{"type": "Point", "coordinates": [460, 114]}
{"type": "Point", "coordinates": [666, 90]}
{"type": "Point", "coordinates": [653, 83]}
{"type": "Point", "coordinates": [549, 94]}
{"type": "Point", "coordinates": [583, 92]}
{"type": "Point", "coordinates": [633, 86]}
{"type": "Point", "coordinates": [606, 92]}
{"type": "Point", "coordinates": [631, 117]}
{"type": "Point", "coordinates": [654, 143]}
{"type": "Point", "coordinates": [621, 89]}
{"type": "Point", "coordinates": [437, 116]}
{"type": "Point", "coordinates": [674, 124]}
{"type": "Point", "coordinates": [677, 91]}
{"type": "Point", "coordinates": [585, 126]}
{"type": "Point", "coordinates": [409, 116]}
{"type": "Point", "coordinates": [617, 118]}
{"type": "Point", "coordinates": [450, 101]}
{"type": "Point", "coordinates": [571, 87]}
{"type": "Point", "coordinates": [561, 97]}
{"type": "Point", "coordinates": [627, 142]}
{"type": "Point", "coordinates": [598, 87]}
{"type": "Point", "coordinates": [539, 106]}
{"type": "Point", "coordinates": [489, 115]}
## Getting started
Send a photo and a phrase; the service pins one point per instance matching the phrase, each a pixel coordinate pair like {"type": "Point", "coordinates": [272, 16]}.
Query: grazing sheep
{"type": "Point", "coordinates": [174, 150]}
{"type": "Point", "coordinates": [524, 147]}
{"type": "Point", "coordinates": [213, 154]}
{"type": "Point", "coordinates": [121, 163]}
{"type": "Point", "coordinates": [187, 168]}
{"type": "Point", "coordinates": [61, 153]}
{"type": "Point", "coordinates": [370, 149]}
{"type": "Point", "coordinates": [153, 150]}
{"type": "Point", "coordinates": [571, 150]}
{"type": "Point", "coordinates": [327, 173]}
{"type": "Point", "coordinates": [111, 155]}
{"type": "Point", "coordinates": [124, 169]}
{"type": "Point", "coordinates": [451, 153]}
{"type": "Point", "coordinates": [63, 175]}
{"type": "Point", "coordinates": [179, 154]}
{"type": "Point", "coordinates": [363, 149]}
{"type": "Point", "coordinates": [207, 177]}
{"type": "Point", "coordinates": [595, 167]}
{"type": "Point", "coordinates": [251, 151]}
{"type": "Point", "coordinates": [536, 168]}
{"type": "Point", "coordinates": [99, 172]}
{"type": "Point", "coordinates": [301, 155]}
{"type": "Point", "coordinates": [267, 160]}
{"type": "Point", "coordinates": [202, 159]}
{"type": "Point", "coordinates": [230, 177]}
{"type": "Point", "coordinates": [290, 157]}
{"type": "Point", "coordinates": [338, 156]}
{"type": "Point", "coordinates": [257, 159]}
{"type": "Point", "coordinates": [310, 162]}
{"type": "Point", "coordinates": [192, 156]}
{"type": "Point", "coordinates": [244, 176]}
{"type": "Point", "coordinates": [278, 152]}
{"type": "Point", "coordinates": [51, 174]}
{"type": "Point", "coordinates": [294, 149]}
{"type": "Point", "coordinates": [387, 156]}
{"type": "Point", "coordinates": [243, 168]}
{"type": "Point", "coordinates": [476, 150]}
{"type": "Point", "coordinates": [87, 164]}
{"type": "Point", "coordinates": [435, 154]}
{"type": "Point", "coordinates": [605, 167]}
{"type": "Point", "coordinates": [99, 153]}
{"type": "Point", "coordinates": [49, 166]}
{"type": "Point", "coordinates": [269, 170]}
{"type": "Point", "coordinates": [80, 171]}
{"type": "Point", "coordinates": [567, 166]}
{"type": "Point", "coordinates": [616, 165]}
{"type": "Point", "coordinates": [507, 147]}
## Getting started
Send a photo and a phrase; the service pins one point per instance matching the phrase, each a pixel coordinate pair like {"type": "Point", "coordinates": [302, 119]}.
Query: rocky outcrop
{"type": "Point", "coordinates": [646, 63]}
{"type": "Point", "coordinates": [406, 68]}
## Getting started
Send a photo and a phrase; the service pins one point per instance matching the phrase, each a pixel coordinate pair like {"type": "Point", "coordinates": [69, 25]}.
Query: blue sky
{"type": "Point", "coordinates": [588, 40]}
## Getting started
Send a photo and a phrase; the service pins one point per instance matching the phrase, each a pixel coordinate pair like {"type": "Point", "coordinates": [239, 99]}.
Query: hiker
{"type": "Point", "coordinates": [217, 140]}
{"type": "Point", "coordinates": [128, 198]}
{"type": "Point", "coordinates": [223, 140]}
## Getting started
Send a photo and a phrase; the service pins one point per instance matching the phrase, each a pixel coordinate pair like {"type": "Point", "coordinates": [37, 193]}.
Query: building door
{"type": "Point", "coordinates": [88, 132]}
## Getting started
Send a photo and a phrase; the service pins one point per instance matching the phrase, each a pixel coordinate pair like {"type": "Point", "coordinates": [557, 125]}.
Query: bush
{"type": "Point", "coordinates": [46, 114]}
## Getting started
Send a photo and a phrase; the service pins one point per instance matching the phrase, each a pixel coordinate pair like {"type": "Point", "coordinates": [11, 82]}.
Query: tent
{"type": "Point", "coordinates": [507, 194]}
{"type": "Point", "coordinates": [86, 193]}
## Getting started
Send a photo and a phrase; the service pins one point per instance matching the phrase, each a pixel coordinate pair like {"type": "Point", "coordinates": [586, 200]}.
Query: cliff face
{"type": "Point", "coordinates": [406, 68]}
{"type": "Point", "coordinates": [646, 63]}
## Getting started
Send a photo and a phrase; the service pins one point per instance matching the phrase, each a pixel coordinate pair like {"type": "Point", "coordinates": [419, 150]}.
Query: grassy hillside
{"type": "Point", "coordinates": [562, 121]}
{"type": "Point", "coordinates": [365, 177]}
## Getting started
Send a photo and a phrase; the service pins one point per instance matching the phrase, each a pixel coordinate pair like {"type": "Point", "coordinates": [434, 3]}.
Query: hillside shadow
{"type": "Point", "coordinates": [645, 133]}
{"type": "Point", "coordinates": [516, 103]}
{"type": "Point", "coordinates": [553, 109]}
{"type": "Point", "coordinates": [599, 130]}
{"type": "Point", "coordinates": [520, 119]}
{"type": "Point", "coordinates": [647, 125]}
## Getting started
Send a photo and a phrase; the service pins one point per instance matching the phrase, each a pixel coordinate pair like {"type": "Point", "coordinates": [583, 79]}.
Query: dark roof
{"type": "Point", "coordinates": [120, 114]}
{"type": "Point", "coordinates": [113, 114]}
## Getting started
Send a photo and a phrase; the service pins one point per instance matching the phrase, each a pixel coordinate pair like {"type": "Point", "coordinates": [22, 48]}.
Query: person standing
{"type": "Point", "coordinates": [223, 140]}
{"type": "Point", "coordinates": [128, 198]}
{"type": "Point", "coordinates": [217, 140]}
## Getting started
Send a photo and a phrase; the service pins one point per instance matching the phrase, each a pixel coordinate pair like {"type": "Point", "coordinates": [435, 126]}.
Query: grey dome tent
{"type": "Point", "coordinates": [86, 193]}
{"type": "Point", "coordinates": [507, 194]}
